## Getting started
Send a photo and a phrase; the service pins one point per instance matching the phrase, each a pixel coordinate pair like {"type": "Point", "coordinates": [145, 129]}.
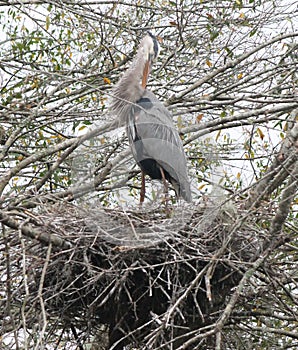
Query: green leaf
{"type": "Point", "coordinates": [213, 35]}
{"type": "Point", "coordinates": [223, 114]}
{"type": "Point", "coordinates": [253, 32]}
{"type": "Point", "coordinates": [229, 52]}
{"type": "Point", "coordinates": [87, 122]}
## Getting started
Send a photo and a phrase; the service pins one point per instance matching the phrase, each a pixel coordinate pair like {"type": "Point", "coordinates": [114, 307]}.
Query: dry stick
{"type": "Point", "coordinates": [50, 172]}
{"type": "Point", "coordinates": [39, 295]}
{"type": "Point", "coordinates": [287, 197]}
{"type": "Point", "coordinates": [77, 192]}
{"type": "Point", "coordinates": [274, 177]}
{"type": "Point", "coordinates": [9, 286]}
{"type": "Point", "coordinates": [207, 268]}
{"type": "Point", "coordinates": [280, 167]}
{"type": "Point", "coordinates": [26, 287]}
{"type": "Point", "coordinates": [164, 322]}
{"type": "Point", "coordinates": [132, 333]}
{"type": "Point", "coordinates": [11, 139]}
{"type": "Point", "coordinates": [75, 334]}
{"type": "Point", "coordinates": [232, 64]}
{"type": "Point", "coordinates": [265, 329]}
{"type": "Point", "coordinates": [184, 295]}
{"type": "Point", "coordinates": [81, 190]}
{"type": "Point", "coordinates": [284, 206]}
{"type": "Point", "coordinates": [218, 341]}
{"type": "Point", "coordinates": [27, 230]}
{"type": "Point", "coordinates": [217, 326]}
{"type": "Point", "coordinates": [237, 120]}
{"type": "Point", "coordinates": [51, 150]}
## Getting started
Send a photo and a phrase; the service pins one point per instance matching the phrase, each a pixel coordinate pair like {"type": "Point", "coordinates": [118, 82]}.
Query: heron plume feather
{"type": "Point", "coordinates": [129, 90]}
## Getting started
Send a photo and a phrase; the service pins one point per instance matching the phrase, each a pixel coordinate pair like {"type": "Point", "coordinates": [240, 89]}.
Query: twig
{"type": "Point", "coordinates": [51, 150]}
{"type": "Point", "coordinates": [27, 230]}
{"type": "Point", "coordinates": [288, 194]}
{"type": "Point", "coordinates": [231, 64]}
{"type": "Point", "coordinates": [40, 297]}
{"type": "Point", "coordinates": [281, 167]}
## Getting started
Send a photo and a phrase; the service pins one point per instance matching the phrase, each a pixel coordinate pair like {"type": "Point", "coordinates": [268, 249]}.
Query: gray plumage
{"type": "Point", "coordinates": [154, 140]}
{"type": "Point", "coordinates": [129, 90]}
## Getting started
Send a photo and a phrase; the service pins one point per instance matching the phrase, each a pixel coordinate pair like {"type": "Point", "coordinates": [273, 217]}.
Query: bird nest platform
{"type": "Point", "coordinates": [145, 278]}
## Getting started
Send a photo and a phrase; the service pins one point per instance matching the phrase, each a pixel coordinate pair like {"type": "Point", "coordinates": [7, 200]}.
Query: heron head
{"type": "Point", "coordinates": [150, 48]}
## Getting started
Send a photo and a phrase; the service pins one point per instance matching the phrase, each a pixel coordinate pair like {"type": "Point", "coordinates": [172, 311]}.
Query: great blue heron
{"type": "Point", "coordinates": [154, 140]}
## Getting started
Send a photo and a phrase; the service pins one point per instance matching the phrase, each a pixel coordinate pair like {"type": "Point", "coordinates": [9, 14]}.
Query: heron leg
{"type": "Point", "coordinates": [143, 188]}
{"type": "Point", "coordinates": [166, 188]}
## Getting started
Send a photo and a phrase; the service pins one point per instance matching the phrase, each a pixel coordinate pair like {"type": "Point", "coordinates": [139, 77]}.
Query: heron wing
{"type": "Point", "coordinates": [154, 136]}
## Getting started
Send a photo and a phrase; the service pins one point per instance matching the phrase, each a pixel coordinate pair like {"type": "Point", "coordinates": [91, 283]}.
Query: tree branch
{"type": "Point", "coordinates": [284, 205]}
{"type": "Point", "coordinates": [281, 167]}
{"type": "Point", "coordinates": [75, 142]}
{"type": "Point", "coordinates": [28, 231]}
{"type": "Point", "coordinates": [230, 64]}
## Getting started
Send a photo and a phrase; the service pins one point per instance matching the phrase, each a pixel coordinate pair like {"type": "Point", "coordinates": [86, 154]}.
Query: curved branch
{"type": "Point", "coordinates": [28, 231]}
{"type": "Point", "coordinates": [230, 64]}
{"type": "Point", "coordinates": [280, 169]}
{"type": "Point", "coordinates": [81, 189]}
{"type": "Point", "coordinates": [75, 142]}
{"type": "Point", "coordinates": [241, 117]}
{"type": "Point", "coordinates": [284, 206]}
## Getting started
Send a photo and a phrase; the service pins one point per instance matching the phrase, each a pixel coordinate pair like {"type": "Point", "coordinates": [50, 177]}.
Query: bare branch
{"type": "Point", "coordinates": [38, 234]}
{"type": "Point", "coordinates": [231, 64]}
{"type": "Point", "coordinates": [280, 169]}
{"type": "Point", "coordinates": [287, 197]}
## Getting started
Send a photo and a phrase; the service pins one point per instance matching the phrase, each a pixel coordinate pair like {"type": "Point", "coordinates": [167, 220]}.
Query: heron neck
{"type": "Point", "coordinates": [133, 76]}
{"type": "Point", "coordinates": [129, 89]}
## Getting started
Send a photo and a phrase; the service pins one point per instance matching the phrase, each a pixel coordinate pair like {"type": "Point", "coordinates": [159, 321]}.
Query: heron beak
{"type": "Point", "coordinates": [147, 70]}
{"type": "Point", "coordinates": [145, 74]}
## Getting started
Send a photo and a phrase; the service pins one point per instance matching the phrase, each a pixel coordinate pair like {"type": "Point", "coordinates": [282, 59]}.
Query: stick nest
{"type": "Point", "coordinates": [149, 276]}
